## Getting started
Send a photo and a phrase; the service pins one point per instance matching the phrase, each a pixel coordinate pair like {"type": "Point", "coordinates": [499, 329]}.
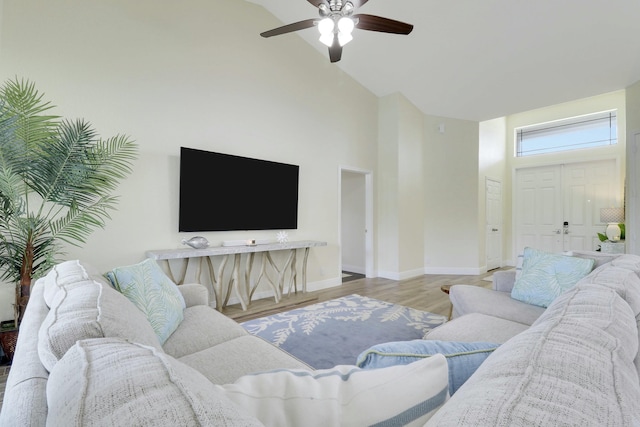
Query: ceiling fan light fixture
{"type": "Point", "coordinates": [344, 38]}
{"type": "Point", "coordinates": [326, 27]}
{"type": "Point", "coordinates": [346, 25]}
{"type": "Point", "coordinates": [345, 28]}
{"type": "Point", "coordinates": [327, 39]}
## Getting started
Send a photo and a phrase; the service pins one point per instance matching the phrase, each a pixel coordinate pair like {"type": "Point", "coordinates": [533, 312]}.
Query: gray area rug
{"type": "Point", "coordinates": [335, 332]}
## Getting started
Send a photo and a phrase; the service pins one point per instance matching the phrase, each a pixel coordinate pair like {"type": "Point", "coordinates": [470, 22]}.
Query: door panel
{"type": "Point", "coordinates": [538, 208]}
{"type": "Point", "coordinates": [587, 188]}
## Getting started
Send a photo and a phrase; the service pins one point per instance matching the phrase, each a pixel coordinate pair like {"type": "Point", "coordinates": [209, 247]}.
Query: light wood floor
{"type": "Point", "coordinates": [422, 293]}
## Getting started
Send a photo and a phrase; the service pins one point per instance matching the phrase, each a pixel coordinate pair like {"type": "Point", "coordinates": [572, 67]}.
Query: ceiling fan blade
{"type": "Point", "coordinates": [308, 23]}
{"type": "Point", "coordinates": [335, 50]}
{"type": "Point", "coordinates": [356, 3]}
{"type": "Point", "coordinates": [383, 25]}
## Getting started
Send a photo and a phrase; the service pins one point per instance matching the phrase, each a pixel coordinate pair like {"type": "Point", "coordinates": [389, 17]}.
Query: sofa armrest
{"type": "Point", "coordinates": [503, 281]}
{"type": "Point", "coordinates": [194, 294]}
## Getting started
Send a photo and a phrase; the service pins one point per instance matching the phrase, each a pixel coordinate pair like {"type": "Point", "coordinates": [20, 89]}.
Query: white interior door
{"type": "Point", "coordinates": [556, 208]}
{"type": "Point", "coordinates": [493, 195]}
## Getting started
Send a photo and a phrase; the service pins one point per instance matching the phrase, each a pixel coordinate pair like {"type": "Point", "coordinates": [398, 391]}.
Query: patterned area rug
{"type": "Point", "coordinates": [335, 332]}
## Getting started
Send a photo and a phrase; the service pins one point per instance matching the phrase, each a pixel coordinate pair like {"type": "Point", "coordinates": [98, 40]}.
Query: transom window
{"type": "Point", "coordinates": [593, 130]}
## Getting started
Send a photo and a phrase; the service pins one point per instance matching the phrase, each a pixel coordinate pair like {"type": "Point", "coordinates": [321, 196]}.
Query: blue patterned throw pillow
{"type": "Point", "coordinates": [149, 288]}
{"type": "Point", "coordinates": [463, 358]}
{"type": "Point", "coordinates": [547, 275]}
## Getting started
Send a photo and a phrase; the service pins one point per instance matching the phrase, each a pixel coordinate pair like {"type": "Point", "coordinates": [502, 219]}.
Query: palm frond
{"type": "Point", "coordinates": [78, 223]}
{"type": "Point", "coordinates": [22, 111]}
{"type": "Point", "coordinates": [113, 159]}
{"type": "Point", "coordinates": [9, 148]}
{"type": "Point", "coordinates": [79, 168]}
{"type": "Point", "coordinates": [58, 174]}
{"type": "Point", "coordinates": [11, 202]}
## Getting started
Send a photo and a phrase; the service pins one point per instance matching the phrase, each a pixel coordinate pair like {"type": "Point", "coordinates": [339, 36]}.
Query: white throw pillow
{"type": "Point", "coordinates": [89, 309]}
{"type": "Point", "coordinates": [345, 395]}
{"type": "Point", "coordinates": [110, 382]}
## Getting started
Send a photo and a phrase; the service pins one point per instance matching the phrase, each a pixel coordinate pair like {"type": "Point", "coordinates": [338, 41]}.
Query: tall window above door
{"type": "Point", "coordinates": [576, 133]}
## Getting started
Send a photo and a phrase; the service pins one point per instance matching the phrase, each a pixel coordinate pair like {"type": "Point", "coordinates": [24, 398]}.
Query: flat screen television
{"type": "Point", "coordinates": [223, 192]}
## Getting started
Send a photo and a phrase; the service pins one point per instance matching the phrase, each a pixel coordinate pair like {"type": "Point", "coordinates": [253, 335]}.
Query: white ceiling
{"type": "Point", "coordinates": [483, 59]}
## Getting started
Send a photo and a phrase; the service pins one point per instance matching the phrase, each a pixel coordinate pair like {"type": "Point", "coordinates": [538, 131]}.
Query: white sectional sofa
{"type": "Point", "coordinates": [576, 364]}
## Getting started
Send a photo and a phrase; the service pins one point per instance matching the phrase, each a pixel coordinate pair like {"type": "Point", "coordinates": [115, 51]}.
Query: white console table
{"type": "Point", "coordinates": [244, 289]}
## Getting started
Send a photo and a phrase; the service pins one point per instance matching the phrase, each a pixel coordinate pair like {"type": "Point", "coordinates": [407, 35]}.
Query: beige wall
{"type": "Point", "coordinates": [386, 182]}
{"type": "Point", "coordinates": [427, 189]}
{"type": "Point", "coordinates": [451, 196]}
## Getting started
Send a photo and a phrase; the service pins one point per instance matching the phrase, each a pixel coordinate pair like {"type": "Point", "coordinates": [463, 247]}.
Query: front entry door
{"type": "Point", "coordinates": [556, 208]}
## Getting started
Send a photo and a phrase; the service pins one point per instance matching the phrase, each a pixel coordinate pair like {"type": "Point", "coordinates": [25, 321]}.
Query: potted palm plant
{"type": "Point", "coordinates": [57, 179]}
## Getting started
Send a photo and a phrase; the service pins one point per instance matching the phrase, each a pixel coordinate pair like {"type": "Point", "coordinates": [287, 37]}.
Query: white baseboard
{"type": "Point", "coordinates": [324, 284]}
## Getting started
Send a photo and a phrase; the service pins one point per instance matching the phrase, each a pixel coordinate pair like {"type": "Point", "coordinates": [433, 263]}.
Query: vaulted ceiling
{"type": "Point", "coordinates": [483, 59]}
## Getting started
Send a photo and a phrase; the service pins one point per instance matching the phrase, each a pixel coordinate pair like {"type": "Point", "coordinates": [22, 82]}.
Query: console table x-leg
{"type": "Point", "coordinates": [240, 277]}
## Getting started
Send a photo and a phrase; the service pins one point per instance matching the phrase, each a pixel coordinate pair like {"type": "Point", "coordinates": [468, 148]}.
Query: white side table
{"type": "Point", "coordinates": [612, 247]}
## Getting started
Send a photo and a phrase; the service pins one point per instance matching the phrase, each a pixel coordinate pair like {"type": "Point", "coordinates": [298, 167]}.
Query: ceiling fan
{"type": "Point", "coordinates": [337, 21]}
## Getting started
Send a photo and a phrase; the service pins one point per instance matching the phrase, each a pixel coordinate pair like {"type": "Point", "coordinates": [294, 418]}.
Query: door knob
{"type": "Point", "coordinates": [494, 229]}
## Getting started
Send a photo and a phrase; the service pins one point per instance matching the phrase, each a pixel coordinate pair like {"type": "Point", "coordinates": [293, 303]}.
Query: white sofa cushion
{"type": "Point", "coordinates": [110, 382]}
{"type": "Point", "coordinates": [622, 276]}
{"type": "Point", "coordinates": [90, 309]}
{"type": "Point", "coordinates": [573, 366]}
{"type": "Point", "coordinates": [201, 328]}
{"type": "Point", "coordinates": [65, 273]}
{"type": "Point", "coordinates": [345, 395]}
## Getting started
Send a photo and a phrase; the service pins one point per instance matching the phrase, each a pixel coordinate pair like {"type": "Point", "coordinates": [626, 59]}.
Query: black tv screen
{"type": "Point", "coordinates": [222, 192]}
